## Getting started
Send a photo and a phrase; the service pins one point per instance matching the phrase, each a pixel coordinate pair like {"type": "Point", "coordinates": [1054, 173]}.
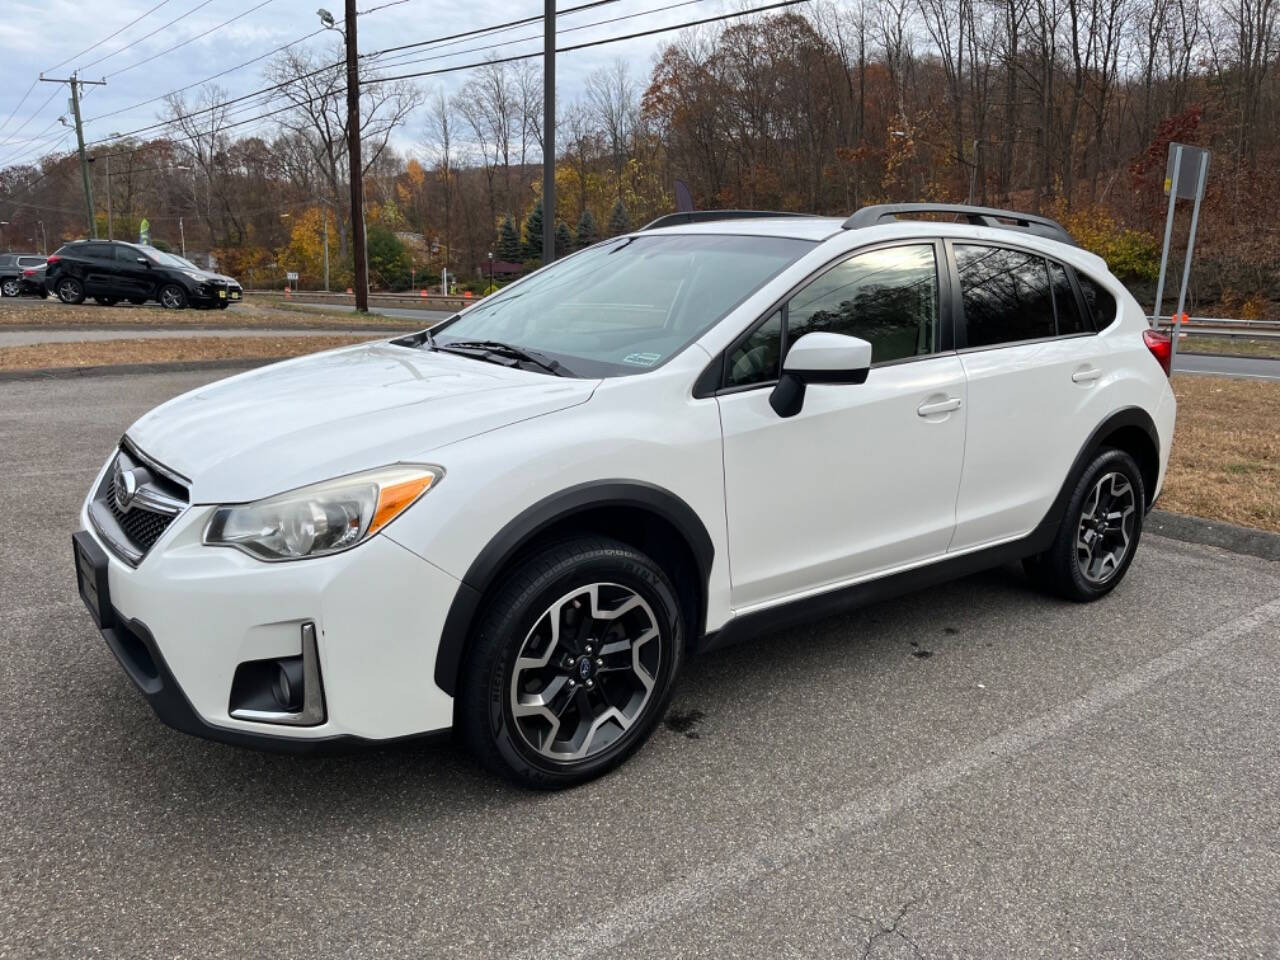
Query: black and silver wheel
{"type": "Point", "coordinates": [173, 297]}
{"type": "Point", "coordinates": [574, 665]}
{"type": "Point", "coordinates": [1099, 533]}
{"type": "Point", "coordinates": [70, 290]}
{"type": "Point", "coordinates": [10, 287]}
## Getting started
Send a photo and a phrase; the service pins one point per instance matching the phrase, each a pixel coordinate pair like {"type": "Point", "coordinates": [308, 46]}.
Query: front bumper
{"type": "Point", "coordinates": [188, 616]}
{"type": "Point", "coordinates": [215, 293]}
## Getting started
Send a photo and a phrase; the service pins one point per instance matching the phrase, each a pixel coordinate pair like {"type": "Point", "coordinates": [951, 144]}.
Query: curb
{"type": "Point", "coordinates": [1228, 536]}
{"type": "Point", "coordinates": [128, 369]}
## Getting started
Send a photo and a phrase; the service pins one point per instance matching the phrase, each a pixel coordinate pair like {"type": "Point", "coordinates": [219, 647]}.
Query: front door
{"type": "Point", "coordinates": [864, 479]}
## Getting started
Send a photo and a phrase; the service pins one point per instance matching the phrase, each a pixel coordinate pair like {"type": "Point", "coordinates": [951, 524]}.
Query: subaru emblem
{"type": "Point", "coordinates": [126, 487]}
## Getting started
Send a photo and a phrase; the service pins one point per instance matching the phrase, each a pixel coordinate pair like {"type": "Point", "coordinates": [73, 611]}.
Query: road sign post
{"type": "Point", "coordinates": [1185, 175]}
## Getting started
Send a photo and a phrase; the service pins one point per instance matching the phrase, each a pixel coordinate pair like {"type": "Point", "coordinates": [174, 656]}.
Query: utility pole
{"type": "Point", "coordinates": [182, 234]}
{"type": "Point", "coordinates": [110, 231]}
{"type": "Point", "coordinates": [359, 249]}
{"type": "Point", "coordinates": [75, 85]}
{"type": "Point", "coordinates": [548, 130]}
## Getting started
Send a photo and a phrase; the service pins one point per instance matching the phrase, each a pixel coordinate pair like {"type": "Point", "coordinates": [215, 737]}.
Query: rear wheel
{"type": "Point", "coordinates": [10, 288]}
{"type": "Point", "coordinates": [173, 297]}
{"type": "Point", "coordinates": [573, 665]}
{"type": "Point", "coordinates": [106, 301]}
{"type": "Point", "coordinates": [1099, 533]}
{"type": "Point", "coordinates": [70, 290]}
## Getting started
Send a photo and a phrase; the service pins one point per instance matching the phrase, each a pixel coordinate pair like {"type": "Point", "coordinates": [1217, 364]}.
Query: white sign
{"type": "Point", "coordinates": [291, 276]}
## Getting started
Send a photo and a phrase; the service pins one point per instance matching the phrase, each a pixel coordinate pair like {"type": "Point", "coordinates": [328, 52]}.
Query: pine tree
{"type": "Point", "coordinates": [588, 233]}
{"type": "Point", "coordinates": [564, 241]}
{"type": "Point", "coordinates": [533, 234]}
{"type": "Point", "coordinates": [619, 221]}
{"type": "Point", "coordinates": [508, 241]}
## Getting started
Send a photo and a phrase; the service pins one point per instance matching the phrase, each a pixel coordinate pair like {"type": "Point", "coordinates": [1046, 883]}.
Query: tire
{"type": "Point", "coordinates": [137, 301]}
{"type": "Point", "coordinates": [172, 297]}
{"type": "Point", "coordinates": [106, 301]}
{"type": "Point", "coordinates": [1099, 533]}
{"type": "Point", "coordinates": [70, 290]}
{"type": "Point", "coordinates": [10, 288]}
{"type": "Point", "coordinates": [637, 615]}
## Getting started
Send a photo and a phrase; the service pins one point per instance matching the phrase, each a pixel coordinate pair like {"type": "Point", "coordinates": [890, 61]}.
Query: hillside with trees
{"type": "Point", "coordinates": [1057, 106]}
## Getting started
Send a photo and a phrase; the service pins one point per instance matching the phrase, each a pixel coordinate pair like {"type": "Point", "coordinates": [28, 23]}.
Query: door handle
{"type": "Point", "coordinates": [1086, 375]}
{"type": "Point", "coordinates": [938, 406]}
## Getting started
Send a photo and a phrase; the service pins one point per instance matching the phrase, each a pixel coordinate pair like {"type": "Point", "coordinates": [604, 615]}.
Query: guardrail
{"type": "Point", "coordinates": [1223, 327]}
{"type": "Point", "coordinates": [432, 301]}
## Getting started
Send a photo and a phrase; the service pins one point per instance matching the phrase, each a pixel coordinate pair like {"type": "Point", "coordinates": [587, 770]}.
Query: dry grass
{"type": "Point", "coordinates": [163, 350]}
{"type": "Point", "coordinates": [1239, 346]}
{"type": "Point", "coordinates": [1225, 463]}
{"type": "Point", "coordinates": [249, 313]}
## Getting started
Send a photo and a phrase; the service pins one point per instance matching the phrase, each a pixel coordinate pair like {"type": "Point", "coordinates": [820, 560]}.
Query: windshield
{"type": "Point", "coordinates": [165, 260]}
{"type": "Point", "coordinates": [629, 304]}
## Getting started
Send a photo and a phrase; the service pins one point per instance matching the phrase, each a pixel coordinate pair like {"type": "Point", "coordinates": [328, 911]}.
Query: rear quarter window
{"type": "Point", "coordinates": [1100, 303]}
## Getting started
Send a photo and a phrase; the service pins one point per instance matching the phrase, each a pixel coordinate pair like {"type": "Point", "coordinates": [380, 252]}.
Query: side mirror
{"type": "Point", "coordinates": [144, 261]}
{"type": "Point", "coordinates": [819, 358]}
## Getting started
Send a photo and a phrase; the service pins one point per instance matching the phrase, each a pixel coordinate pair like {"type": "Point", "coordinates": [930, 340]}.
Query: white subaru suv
{"type": "Point", "coordinates": [520, 522]}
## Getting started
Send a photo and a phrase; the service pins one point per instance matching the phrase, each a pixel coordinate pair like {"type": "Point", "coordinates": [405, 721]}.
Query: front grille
{"type": "Point", "coordinates": [142, 526]}
{"type": "Point", "coordinates": [159, 496]}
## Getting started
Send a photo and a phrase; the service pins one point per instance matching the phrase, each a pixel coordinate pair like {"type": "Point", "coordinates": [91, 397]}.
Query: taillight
{"type": "Point", "coordinates": [1161, 346]}
{"type": "Point", "coordinates": [53, 259]}
{"type": "Point", "coordinates": [29, 272]}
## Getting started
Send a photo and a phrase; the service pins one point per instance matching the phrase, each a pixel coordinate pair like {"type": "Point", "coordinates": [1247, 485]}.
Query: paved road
{"type": "Point", "coordinates": [427, 317]}
{"type": "Point", "coordinates": [18, 338]}
{"type": "Point", "coordinates": [981, 772]}
{"type": "Point", "coordinates": [1255, 368]}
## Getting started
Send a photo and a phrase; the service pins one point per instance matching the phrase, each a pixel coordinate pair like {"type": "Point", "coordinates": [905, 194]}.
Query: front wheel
{"type": "Point", "coordinates": [173, 297]}
{"type": "Point", "coordinates": [573, 665]}
{"type": "Point", "coordinates": [10, 288]}
{"type": "Point", "coordinates": [70, 290]}
{"type": "Point", "coordinates": [1099, 533]}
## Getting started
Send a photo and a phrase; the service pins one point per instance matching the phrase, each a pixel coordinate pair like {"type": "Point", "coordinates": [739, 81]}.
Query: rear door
{"type": "Point", "coordinates": [1032, 362]}
{"type": "Point", "coordinates": [98, 264]}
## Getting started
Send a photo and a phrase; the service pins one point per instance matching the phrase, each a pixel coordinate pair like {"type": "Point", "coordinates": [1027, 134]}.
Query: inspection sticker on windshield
{"type": "Point", "coordinates": [642, 359]}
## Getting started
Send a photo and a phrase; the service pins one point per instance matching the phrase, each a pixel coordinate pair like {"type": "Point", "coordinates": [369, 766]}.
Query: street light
{"type": "Point", "coordinates": [490, 269]}
{"type": "Point", "coordinates": [326, 18]}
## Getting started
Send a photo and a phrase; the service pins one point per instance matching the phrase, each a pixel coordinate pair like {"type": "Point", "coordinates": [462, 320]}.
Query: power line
{"type": "Point", "coordinates": [19, 106]}
{"type": "Point", "coordinates": [330, 66]}
{"type": "Point", "coordinates": [198, 36]}
{"type": "Point", "coordinates": [37, 110]}
{"type": "Point", "coordinates": [94, 46]}
{"type": "Point", "coordinates": [134, 43]}
{"type": "Point", "coordinates": [223, 73]}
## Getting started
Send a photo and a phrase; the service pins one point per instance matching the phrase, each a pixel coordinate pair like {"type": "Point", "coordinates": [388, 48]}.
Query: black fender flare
{"type": "Point", "coordinates": [1047, 529]}
{"type": "Point", "coordinates": [533, 520]}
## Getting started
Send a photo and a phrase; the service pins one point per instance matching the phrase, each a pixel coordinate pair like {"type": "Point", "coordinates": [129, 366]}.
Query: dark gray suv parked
{"type": "Point", "coordinates": [12, 266]}
{"type": "Point", "coordinates": [113, 271]}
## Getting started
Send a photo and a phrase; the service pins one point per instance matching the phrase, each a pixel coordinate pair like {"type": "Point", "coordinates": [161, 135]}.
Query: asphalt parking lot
{"type": "Point", "coordinates": [977, 772]}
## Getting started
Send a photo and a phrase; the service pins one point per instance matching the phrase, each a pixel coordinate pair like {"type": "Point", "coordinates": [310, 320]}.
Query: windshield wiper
{"type": "Point", "coordinates": [500, 349]}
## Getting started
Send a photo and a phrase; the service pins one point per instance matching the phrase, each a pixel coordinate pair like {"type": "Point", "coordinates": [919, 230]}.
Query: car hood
{"type": "Point", "coordinates": [330, 414]}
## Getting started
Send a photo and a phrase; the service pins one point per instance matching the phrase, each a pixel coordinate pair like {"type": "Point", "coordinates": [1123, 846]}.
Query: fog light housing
{"type": "Point", "coordinates": [285, 690]}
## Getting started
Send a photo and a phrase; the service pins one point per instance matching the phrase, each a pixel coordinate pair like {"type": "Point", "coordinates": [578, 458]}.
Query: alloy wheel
{"type": "Point", "coordinates": [1105, 531]}
{"type": "Point", "coordinates": [171, 298]}
{"type": "Point", "coordinates": [11, 288]}
{"type": "Point", "coordinates": [68, 291]}
{"type": "Point", "coordinates": [585, 672]}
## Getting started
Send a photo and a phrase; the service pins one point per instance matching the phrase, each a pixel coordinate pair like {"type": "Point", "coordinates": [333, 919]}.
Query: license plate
{"type": "Point", "coordinates": [222, 294]}
{"type": "Point", "coordinates": [235, 294]}
{"type": "Point", "coordinates": [91, 577]}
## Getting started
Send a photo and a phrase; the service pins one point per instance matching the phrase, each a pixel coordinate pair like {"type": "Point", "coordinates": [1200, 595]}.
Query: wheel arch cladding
{"type": "Point", "coordinates": [1130, 429]}
{"type": "Point", "coordinates": [648, 517]}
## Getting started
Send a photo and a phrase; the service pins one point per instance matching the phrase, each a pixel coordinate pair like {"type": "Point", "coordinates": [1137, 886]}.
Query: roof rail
{"type": "Point", "coordinates": [979, 216]}
{"type": "Point", "coordinates": [705, 216]}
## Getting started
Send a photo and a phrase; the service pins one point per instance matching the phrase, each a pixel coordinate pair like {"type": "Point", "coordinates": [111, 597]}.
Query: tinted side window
{"type": "Point", "coordinates": [6, 259]}
{"type": "Point", "coordinates": [1101, 304]}
{"type": "Point", "coordinates": [888, 297]}
{"type": "Point", "coordinates": [30, 261]}
{"type": "Point", "coordinates": [1006, 295]}
{"type": "Point", "coordinates": [94, 251]}
{"type": "Point", "coordinates": [756, 359]}
{"type": "Point", "coordinates": [127, 254]}
{"type": "Point", "coordinates": [1065, 303]}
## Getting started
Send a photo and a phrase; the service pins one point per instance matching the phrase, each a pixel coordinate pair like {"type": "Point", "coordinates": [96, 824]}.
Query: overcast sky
{"type": "Point", "coordinates": [36, 35]}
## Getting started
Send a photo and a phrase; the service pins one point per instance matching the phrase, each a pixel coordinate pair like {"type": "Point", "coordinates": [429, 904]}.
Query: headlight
{"type": "Point", "coordinates": [323, 518]}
